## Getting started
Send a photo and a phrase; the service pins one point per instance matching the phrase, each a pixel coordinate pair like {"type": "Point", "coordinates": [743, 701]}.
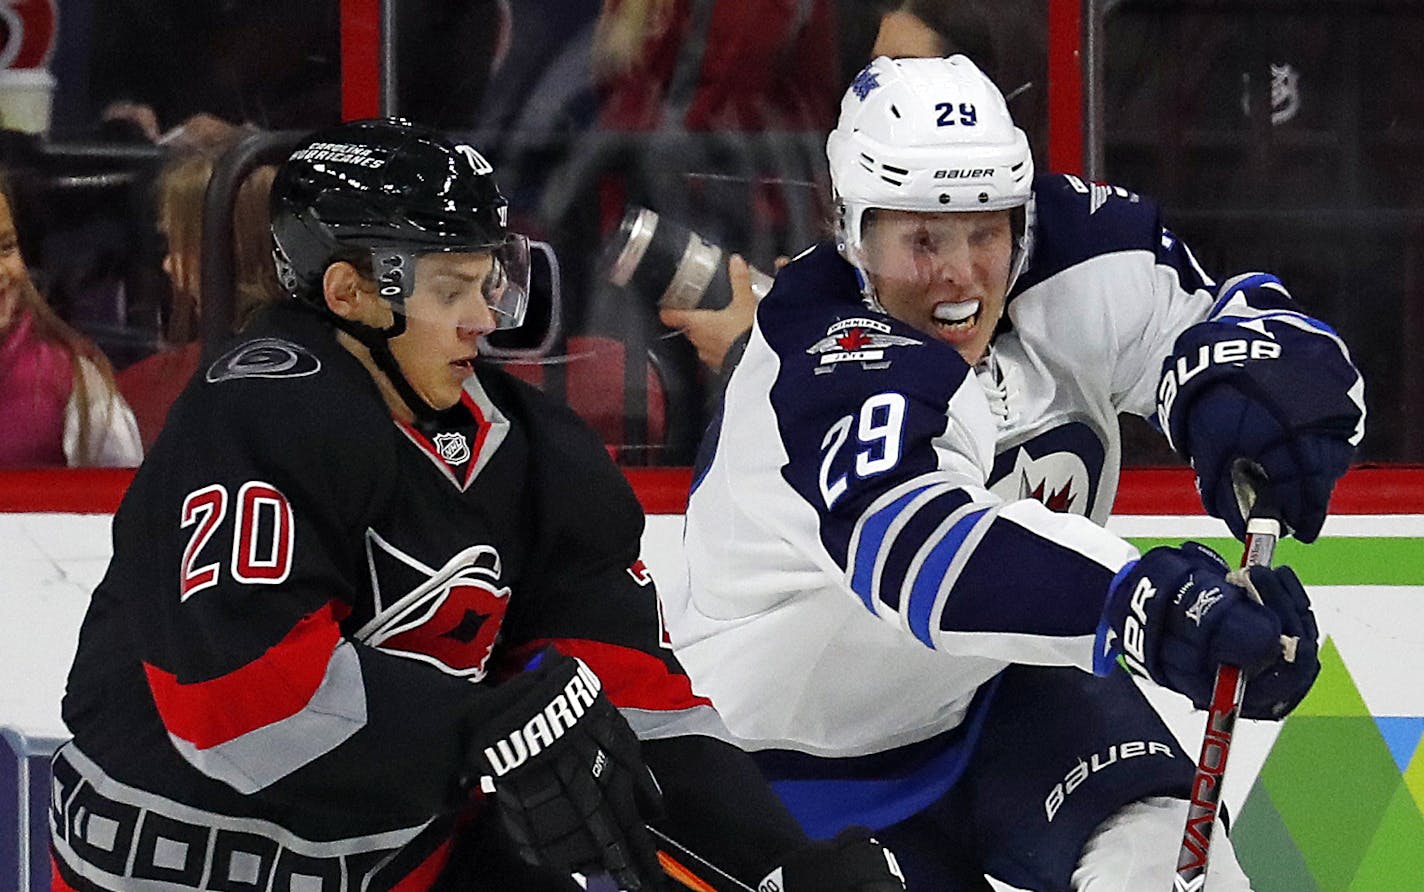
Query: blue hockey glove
{"type": "Point", "coordinates": [1282, 400]}
{"type": "Point", "coordinates": [1175, 618]}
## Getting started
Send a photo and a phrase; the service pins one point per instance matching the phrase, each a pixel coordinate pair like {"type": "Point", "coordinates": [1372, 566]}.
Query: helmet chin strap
{"type": "Point", "coordinates": [378, 341]}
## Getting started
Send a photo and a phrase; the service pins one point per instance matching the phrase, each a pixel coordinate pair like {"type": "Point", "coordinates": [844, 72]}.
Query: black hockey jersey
{"type": "Point", "coordinates": [274, 678]}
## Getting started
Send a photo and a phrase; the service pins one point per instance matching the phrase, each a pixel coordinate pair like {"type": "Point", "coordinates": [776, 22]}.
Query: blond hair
{"type": "Point", "coordinates": [182, 189]}
{"type": "Point", "coordinates": [622, 33]}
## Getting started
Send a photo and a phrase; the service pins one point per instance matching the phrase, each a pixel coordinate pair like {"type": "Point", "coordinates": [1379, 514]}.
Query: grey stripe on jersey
{"type": "Point", "coordinates": [121, 837]}
{"type": "Point", "coordinates": [265, 755]}
{"type": "Point", "coordinates": [656, 724]}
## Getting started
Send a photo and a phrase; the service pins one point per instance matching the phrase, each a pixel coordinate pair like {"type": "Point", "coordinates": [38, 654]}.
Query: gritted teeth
{"type": "Point", "coordinates": [956, 311]}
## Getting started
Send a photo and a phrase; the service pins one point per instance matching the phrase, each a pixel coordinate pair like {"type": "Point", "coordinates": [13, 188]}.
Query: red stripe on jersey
{"type": "Point", "coordinates": [275, 686]}
{"type": "Point", "coordinates": [632, 679]}
{"type": "Point", "coordinates": [57, 882]}
{"type": "Point", "coordinates": [482, 429]}
{"type": "Point", "coordinates": [424, 876]}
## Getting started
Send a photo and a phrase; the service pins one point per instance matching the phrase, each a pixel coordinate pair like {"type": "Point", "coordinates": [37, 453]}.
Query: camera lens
{"type": "Point", "coordinates": [670, 265]}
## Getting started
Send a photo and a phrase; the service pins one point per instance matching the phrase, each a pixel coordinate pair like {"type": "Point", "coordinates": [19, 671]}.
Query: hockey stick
{"type": "Point", "coordinates": [1263, 530]}
{"type": "Point", "coordinates": [674, 858]}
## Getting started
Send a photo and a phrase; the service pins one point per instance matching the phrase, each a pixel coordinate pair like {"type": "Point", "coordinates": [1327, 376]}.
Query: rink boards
{"type": "Point", "coordinates": [1331, 799]}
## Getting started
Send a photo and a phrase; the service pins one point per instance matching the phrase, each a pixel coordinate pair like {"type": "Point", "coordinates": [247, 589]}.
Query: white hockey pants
{"type": "Point", "coordinates": [1136, 850]}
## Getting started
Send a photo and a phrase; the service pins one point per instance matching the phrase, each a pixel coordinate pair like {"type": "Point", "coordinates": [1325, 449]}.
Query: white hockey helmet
{"type": "Point", "coordinates": [929, 135]}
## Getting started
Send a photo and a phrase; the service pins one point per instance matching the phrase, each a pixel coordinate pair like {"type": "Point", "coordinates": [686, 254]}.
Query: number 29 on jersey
{"type": "Point", "coordinates": [879, 433]}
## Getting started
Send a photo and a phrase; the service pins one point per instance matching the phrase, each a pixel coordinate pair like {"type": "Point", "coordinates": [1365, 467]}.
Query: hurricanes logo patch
{"type": "Point", "coordinates": [453, 447]}
{"type": "Point", "coordinates": [451, 620]}
{"type": "Point", "coordinates": [264, 358]}
{"type": "Point", "coordinates": [860, 340]}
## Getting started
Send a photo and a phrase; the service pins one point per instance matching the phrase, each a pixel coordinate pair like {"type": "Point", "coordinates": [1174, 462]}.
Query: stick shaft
{"type": "Point", "coordinates": [1262, 533]}
{"type": "Point", "coordinates": [692, 870]}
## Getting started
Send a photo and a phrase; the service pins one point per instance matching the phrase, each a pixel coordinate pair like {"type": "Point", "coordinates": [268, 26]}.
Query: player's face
{"type": "Point", "coordinates": [446, 315]}
{"type": "Point", "coordinates": [944, 273]}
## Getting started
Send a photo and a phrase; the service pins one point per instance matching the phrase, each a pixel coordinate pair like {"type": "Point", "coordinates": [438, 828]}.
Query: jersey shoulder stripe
{"type": "Point", "coordinates": [1076, 221]}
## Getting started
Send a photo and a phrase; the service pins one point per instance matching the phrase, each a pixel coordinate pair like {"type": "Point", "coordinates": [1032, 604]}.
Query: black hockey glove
{"type": "Point", "coordinates": [852, 862]}
{"type": "Point", "coordinates": [1283, 400]}
{"type": "Point", "coordinates": [569, 785]}
{"type": "Point", "coordinates": [1175, 618]}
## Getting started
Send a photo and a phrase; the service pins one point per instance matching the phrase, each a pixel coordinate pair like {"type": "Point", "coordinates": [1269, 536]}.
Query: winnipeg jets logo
{"type": "Point", "coordinates": [1059, 480]}
{"type": "Point", "coordinates": [860, 340]}
{"type": "Point", "coordinates": [453, 447]}
{"type": "Point", "coordinates": [451, 620]}
{"type": "Point", "coordinates": [1197, 612]}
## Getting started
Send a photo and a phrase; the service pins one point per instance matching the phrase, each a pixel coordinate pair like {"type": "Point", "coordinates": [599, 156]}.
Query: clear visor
{"type": "Point", "coordinates": [485, 290]}
{"type": "Point", "coordinates": [920, 247]}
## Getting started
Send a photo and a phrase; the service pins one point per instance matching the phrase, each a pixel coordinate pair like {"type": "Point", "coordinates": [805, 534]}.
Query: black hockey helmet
{"type": "Point", "coordinates": [383, 192]}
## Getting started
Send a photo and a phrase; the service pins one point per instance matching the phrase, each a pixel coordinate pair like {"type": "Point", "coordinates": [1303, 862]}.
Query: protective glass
{"type": "Point", "coordinates": [916, 247]}
{"type": "Point", "coordinates": [506, 290]}
{"type": "Point", "coordinates": [474, 289]}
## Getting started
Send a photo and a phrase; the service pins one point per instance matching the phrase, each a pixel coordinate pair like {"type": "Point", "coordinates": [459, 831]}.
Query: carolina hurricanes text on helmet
{"type": "Point", "coordinates": [1233, 352]}
{"type": "Point", "coordinates": [561, 714]}
{"type": "Point", "coordinates": [343, 153]}
{"type": "Point", "coordinates": [1134, 629]}
{"type": "Point", "coordinates": [1128, 749]}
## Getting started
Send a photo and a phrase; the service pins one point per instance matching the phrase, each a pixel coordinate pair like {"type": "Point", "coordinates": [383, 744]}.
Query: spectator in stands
{"type": "Point", "coordinates": [58, 402]}
{"type": "Point", "coordinates": [666, 64]}
{"type": "Point", "coordinates": [1007, 39]}
{"type": "Point", "coordinates": [204, 63]}
{"type": "Point", "coordinates": [152, 384]}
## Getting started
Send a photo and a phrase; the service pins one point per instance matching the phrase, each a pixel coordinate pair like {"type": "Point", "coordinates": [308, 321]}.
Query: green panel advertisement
{"type": "Point", "coordinates": [1338, 802]}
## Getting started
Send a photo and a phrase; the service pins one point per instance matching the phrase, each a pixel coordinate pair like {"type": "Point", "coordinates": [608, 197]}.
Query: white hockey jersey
{"type": "Point", "coordinates": [869, 538]}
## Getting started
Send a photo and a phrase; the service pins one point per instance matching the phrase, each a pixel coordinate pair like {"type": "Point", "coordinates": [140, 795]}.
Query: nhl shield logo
{"type": "Point", "coordinates": [454, 448]}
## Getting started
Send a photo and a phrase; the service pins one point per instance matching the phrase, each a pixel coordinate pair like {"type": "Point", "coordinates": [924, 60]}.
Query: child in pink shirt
{"type": "Point", "coordinates": [58, 403]}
